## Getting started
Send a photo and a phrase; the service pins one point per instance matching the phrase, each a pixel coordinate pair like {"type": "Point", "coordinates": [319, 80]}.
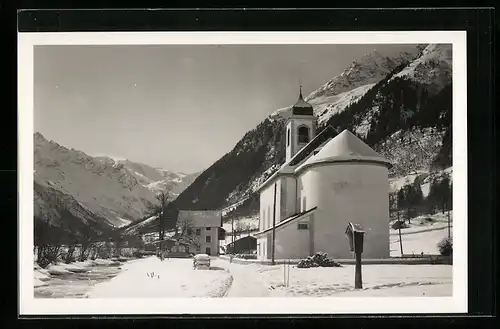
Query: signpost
{"type": "Point", "coordinates": [400, 239]}
{"type": "Point", "coordinates": [355, 234]}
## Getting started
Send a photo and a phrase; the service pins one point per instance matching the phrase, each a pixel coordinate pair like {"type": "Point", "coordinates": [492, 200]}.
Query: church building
{"type": "Point", "coordinates": [327, 181]}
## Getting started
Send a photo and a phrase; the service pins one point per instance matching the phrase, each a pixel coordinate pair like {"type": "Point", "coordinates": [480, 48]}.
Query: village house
{"type": "Point", "coordinates": [244, 245]}
{"type": "Point", "coordinates": [207, 230]}
{"type": "Point", "coordinates": [327, 181]}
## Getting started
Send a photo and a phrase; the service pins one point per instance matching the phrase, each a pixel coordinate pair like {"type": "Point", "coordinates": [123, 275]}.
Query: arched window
{"type": "Point", "coordinates": [288, 137]}
{"type": "Point", "coordinates": [303, 132]}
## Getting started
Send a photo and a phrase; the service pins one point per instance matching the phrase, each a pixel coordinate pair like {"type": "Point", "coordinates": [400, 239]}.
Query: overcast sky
{"type": "Point", "coordinates": [176, 107]}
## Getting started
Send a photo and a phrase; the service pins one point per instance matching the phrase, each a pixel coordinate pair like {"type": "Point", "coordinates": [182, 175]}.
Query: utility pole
{"type": "Point", "coordinates": [232, 229]}
{"type": "Point", "coordinates": [274, 224]}
{"type": "Point", "coordinates": [400, 240]}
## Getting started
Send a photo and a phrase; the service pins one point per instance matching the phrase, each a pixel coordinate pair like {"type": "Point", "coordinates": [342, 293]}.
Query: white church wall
{"type": "Point", "coordinates": [288, 196]}
{"type": "Point", "coordinates": [344, 193]}
{"type": "Point", "coordinates": [292, 243]}
{"type": "Point", "coordinates": [267, 205]}
{"type": "Point", "coordinates": [261, 247]}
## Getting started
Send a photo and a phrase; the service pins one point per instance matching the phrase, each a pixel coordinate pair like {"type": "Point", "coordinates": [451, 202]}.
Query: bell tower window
{"type": "Point", "coordinates": [288, 137]}
{"type": "Point", "coordinates": [303, 133]}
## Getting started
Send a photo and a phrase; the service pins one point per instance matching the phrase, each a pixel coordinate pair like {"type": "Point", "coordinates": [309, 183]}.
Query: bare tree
{"type": "Point", "coordinates": [185, 231]}
{"type": "Point", "coordinates": [85, 240]}
{"type": "Point", "coordinates": [158, 209]}
{"type": "Point", "coordinates": [118, 242]}
{"type": "Point", "coordinates": [47, 239]}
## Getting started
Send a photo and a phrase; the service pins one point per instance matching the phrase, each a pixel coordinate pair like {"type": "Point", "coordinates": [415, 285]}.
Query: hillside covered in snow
{"type": "Point", "coordinates": [72, 187]}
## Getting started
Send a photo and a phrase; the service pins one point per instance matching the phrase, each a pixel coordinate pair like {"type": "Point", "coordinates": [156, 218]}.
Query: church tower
{"type": "Point", "coordinates": [300, 126]}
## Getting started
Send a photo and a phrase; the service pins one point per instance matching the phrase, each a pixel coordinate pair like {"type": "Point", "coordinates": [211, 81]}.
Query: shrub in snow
{"type": "Point", "coordinates": [445, 247]}
{"type": "Point", "coordinates": [138, 254]}
{"type": "Point", "coordinates": [320, 259]}
{"type": "Point", "coordinates": [307, 263]}
{"type": "Point", "coordinates": [246, 256]}
{"type": "Point", "coordinates": [428, 220]}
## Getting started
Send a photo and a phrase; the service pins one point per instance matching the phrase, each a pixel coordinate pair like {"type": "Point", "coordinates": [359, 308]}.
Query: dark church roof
{"type": "Point", "coordinates": [302, 107]}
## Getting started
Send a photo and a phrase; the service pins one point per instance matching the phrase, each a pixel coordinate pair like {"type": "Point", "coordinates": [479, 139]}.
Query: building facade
{"type": "Point", "coordinates": [327, 181]}
{"type": "Point", "coordinates": [206, 226]}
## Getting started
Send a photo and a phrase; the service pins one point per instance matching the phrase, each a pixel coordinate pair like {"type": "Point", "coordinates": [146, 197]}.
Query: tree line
{"type": "Point", "coordinates": [53, 244]}
{"type": "Point", "coordinates": [410, 202]}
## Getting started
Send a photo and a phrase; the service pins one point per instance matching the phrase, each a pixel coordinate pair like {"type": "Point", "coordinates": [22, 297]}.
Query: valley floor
{"type": "Point", "coordinates": [150, 277]}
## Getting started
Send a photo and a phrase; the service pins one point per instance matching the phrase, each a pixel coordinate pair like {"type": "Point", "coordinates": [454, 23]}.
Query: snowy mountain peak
{"type": "Point", "coordinates": [116, 190]}
{"type": "Point", "coordinates": [433, 67]}
{"type": "Point", "coordinates": [39, 137]}
{"type": "Point", "coordinates": [369, 69]}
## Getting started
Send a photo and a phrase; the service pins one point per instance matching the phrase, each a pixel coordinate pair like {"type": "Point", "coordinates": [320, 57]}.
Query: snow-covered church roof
{"type": "Point", "coordinates": [345, 147]}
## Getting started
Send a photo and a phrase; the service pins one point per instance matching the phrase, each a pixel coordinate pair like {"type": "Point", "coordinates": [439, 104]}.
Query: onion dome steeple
{"type": "Point", "coordinates": [302, 107]}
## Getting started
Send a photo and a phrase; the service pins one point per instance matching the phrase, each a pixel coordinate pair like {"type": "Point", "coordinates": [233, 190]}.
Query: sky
{"type": "Point", "coordinates": [178, 107]}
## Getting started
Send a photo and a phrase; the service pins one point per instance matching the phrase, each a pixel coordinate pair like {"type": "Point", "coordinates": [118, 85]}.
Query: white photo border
{"type": "Point", "coordinates": [29, 305]}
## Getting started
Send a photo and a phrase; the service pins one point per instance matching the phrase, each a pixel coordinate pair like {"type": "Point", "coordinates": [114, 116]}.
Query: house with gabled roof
{"type": "Point", "coordinates": [207, 230]}
{"type": "Point", "coordinates": [328, 180]}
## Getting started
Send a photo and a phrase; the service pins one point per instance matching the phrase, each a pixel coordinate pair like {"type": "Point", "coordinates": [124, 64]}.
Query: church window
{"type": "Point", "coordinates": [288, 137]}
{"type": "Point", "coordinates": [303, 133]}
{"type": "Point", "coordinates": [302, 226]}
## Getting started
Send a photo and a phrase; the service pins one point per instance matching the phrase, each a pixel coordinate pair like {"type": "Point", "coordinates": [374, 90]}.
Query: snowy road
{"type": "Point", "coordinates": [151, 277]}
{"type": "Point", "coordinates": [247, 282]}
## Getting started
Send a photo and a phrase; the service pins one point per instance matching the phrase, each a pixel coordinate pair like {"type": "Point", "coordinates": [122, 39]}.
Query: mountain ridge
{"type": "Point", "coordinates": [388, 104]}
{"type": "Point", "coordinates": [79, 187]}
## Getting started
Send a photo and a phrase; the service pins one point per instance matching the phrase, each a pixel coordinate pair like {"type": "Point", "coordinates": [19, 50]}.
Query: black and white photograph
{"type": "Point", "coordinates": [187, 167]}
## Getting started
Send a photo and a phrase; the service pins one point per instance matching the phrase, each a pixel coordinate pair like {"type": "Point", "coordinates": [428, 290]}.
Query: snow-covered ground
{"type": "Point", "coordinates": [151, 277]}
{"type": "Point", "coordinates": [421, 235]}
{"type": "Point", "coordinates": [418, 242]}
{"type": "Point", "coordinates": [252, 280]}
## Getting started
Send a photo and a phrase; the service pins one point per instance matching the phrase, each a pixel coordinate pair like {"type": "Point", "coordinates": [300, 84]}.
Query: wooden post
{"type": "Point", "coordinates": [288, 275]}
{"type": "Point", "coordinates": [284, 274]}
{"type": "Point", "coordinates": [358, 282]}
{"type": "Point", "coordinates": [232, 230]}
{"type": "Point", "coordinates": [274, 225]}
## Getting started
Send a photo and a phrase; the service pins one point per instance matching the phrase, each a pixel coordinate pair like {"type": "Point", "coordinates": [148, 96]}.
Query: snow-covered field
{"type": "Point", "coordinates": [151, 277]}
{"type": "Point", "coordinates": [417, 243]}
{"type": "Point", "coordinates": [255, 280]}
{"type": "Point", "coordinates": [421, 235]}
